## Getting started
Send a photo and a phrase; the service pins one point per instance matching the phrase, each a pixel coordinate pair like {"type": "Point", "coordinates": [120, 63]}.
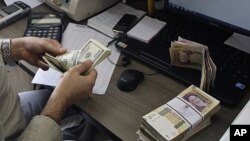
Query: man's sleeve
{"type": "Point", "coordinates": [1, 57]}
{"type": "Point", "coordinates": [41, 128]}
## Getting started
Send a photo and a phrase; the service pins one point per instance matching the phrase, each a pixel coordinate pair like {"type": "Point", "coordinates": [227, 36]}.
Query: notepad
{"type": "Point", "coordinates": [146, 29]}
{"type": "Point", "coordinates": [105, 21]}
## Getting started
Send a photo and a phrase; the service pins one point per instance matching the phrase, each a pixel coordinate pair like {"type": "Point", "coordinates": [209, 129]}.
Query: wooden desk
{"type": "Point", "coordinates": [120, 112]}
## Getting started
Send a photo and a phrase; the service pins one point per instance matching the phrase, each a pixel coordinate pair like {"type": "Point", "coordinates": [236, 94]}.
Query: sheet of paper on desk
{"type": "Point", "coordinates": [239, 41]}
{"type": "Point", "coordinates": [146, 29]}
{"type": "Point", "coordinates": [73, 38]}
{"type": "Point", "coordinates": [105, 21]}
{"type": "Point", "coordinates": [241, 119]}
{"type": "Point", "coordinates": [31, 3]}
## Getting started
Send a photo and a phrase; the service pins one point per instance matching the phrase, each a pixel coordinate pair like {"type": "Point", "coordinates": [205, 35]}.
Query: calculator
{"type": "Point", "coordinates": [46, 25]}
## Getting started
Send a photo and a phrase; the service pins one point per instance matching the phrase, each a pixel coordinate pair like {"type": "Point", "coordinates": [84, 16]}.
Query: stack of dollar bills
{"type": "Point", "coordinates": [188, 54]}
{"type": "Point", "coordinates": [92, 50]}
{"type": "Point", "coordinates": [180, 118]}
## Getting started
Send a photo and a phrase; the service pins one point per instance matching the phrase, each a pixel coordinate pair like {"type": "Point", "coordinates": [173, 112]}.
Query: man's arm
{"type": "Point", "coordinates": [41, 128]}
{"type": "Point", "coordinates": [11, 117]}
{"type": "Point", "coordinates": [64, 95]}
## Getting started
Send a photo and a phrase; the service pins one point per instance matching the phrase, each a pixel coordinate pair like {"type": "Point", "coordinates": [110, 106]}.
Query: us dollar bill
{"type": "Point", "coordinates": [92, 50]}
{"type": "Point", "coordinates": [62, 62]}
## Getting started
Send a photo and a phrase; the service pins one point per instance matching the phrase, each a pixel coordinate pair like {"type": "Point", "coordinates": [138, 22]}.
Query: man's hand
{"type": "Point", "coordinates": [72, 87]}
{"type": "Point", "coordinates": [31, 49]}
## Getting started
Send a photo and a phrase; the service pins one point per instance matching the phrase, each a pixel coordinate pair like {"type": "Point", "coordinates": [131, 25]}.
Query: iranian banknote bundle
{"type": "Point", "coordinates": [92, 50]}
{"type": "Point", "coordinates": [180, 118]}
{"type": "Point", "coordinates": [188, 54]}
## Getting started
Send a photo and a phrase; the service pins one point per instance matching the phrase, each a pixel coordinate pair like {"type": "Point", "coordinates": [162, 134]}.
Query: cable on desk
{"type": "Point", "coordinates": [125, 61]}
{"type": "Point", "coordinates": [116, 39]}
{"type": "Point", "coordinates": [153, 73]}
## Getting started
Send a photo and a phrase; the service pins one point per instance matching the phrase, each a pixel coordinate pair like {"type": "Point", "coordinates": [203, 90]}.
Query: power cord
{"type": "Point", "coordinates": [153, 73]}
{"type": "Point", "coordinates": [125, 61]}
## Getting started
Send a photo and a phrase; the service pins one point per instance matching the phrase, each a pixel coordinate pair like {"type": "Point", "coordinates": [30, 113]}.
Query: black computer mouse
{"type": "Point", "coordinates": [129, 80]}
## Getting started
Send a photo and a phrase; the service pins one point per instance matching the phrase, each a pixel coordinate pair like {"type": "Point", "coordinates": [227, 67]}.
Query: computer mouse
{"type": "Point", "coordinates": [129, 80]}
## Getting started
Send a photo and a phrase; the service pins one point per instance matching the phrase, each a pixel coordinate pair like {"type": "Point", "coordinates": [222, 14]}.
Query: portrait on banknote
{"type": "Point", "coordinates": [197, 100]}
{"type": "Point", "coordinates": [190, 57]}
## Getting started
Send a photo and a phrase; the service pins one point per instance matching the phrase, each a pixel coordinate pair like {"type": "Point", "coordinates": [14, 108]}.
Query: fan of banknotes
{"type": "Point", "coordinates": [92, 50]}
{"type": "Point", "coordinates": [188, 54]}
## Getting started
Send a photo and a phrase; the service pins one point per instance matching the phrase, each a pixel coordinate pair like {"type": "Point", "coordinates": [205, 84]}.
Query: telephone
{"type": "Point", "coordinates": [13, 12]}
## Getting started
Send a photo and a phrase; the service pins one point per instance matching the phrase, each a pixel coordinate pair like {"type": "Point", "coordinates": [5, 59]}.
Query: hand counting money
{"type": "Point", "coordinates": [92, 50]}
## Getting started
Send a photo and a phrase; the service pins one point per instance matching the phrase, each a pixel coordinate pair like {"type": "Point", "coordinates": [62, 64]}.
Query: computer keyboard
{"type": "Point", "coordinates": [230, 62]}
{"type": "Point", "coordinates": [232, 76]}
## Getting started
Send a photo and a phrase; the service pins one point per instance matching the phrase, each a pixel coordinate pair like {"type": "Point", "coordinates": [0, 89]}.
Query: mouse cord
{"type": "Point", "coordinates": [114, 62]}
{"type": "Point", "coordinates": [126, 61]}
{"type": "Point", "coordinates": [153, 73]}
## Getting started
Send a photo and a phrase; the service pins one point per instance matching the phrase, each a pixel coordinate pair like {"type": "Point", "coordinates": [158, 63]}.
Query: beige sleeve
{"type": "Point", "coordinates": [1, 57]}
{"type": "Point", "coordinates": [41, 128]}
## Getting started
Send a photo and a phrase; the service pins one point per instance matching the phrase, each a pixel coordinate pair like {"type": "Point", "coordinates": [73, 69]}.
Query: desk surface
{"type": "Point", "coordinates": [121, 112]}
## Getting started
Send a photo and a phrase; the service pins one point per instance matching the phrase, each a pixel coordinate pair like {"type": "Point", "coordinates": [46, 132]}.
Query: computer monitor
{"type": "Point", "coordinates": [211, 23]}
{"type": "Point", "coordinates": [230, 14]}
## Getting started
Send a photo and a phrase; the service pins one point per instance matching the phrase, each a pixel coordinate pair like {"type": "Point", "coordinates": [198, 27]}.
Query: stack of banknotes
{"type": "Point", "coordinates": [92, 50]}
{"type": "Point", "coordinates": [180, 118]}
{"type": "Point", "coordinates": [188, 54]}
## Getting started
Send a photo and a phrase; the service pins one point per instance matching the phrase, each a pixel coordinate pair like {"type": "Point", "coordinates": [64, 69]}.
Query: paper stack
{"type": "Point", "coordinates": [189, 54]}
{"type": "Point", "coordinates": [146, 29]}
{"type": "Point", "coordinates": [180, 118]}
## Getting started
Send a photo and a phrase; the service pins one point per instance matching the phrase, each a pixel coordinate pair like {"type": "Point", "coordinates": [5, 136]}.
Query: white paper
{"type": "Point", "coordinates": [73, 38]}
{"type": "Point", "coordinates": [105, 21]}
{"type": "Point", "coordinates": [48, 78]}
{"type": "Point", "coordinates": [186, 111]}
{"type": "Point", "coordinates": [239, 41]}
{"type": "Point", "coordinates": [31, 3]}
{"type": "Point", "coordinates": [146, 29]}
{"type": "Point", "coordinates": [241, 119]}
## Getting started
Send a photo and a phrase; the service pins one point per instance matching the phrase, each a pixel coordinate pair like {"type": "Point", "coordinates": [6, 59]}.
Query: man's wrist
{"type": "Point", "coordinates": [6, 52]}
{"type": "Point", "coordinates": [54, 109]}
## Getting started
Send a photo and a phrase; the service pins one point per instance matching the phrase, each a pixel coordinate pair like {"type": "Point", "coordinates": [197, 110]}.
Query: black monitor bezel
{"type": "Point", "coordinates": [205, 19]}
